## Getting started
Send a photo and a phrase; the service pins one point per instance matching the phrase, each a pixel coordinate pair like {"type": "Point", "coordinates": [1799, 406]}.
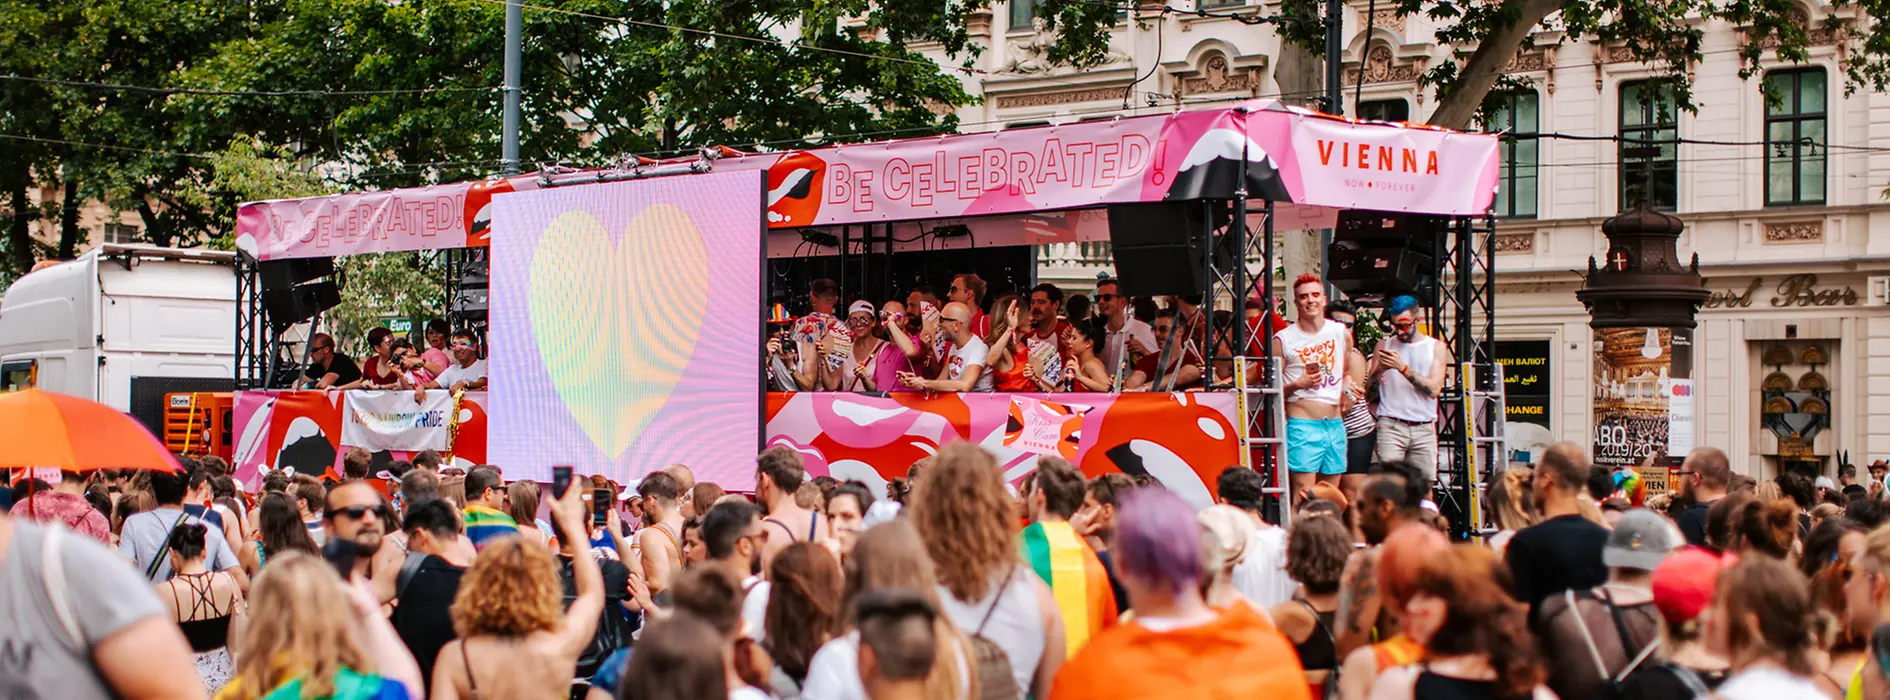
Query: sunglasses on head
{"type": "Point", "coordinates": [358, 512]}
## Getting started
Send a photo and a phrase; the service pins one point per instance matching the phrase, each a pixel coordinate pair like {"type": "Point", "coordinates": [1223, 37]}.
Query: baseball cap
{"type": "Point", "coordinates": [861, 307]}
{"type": "Point", "coordinates": [1641, 540]}
{"type": "Point", "coordinates": [1683, 584]}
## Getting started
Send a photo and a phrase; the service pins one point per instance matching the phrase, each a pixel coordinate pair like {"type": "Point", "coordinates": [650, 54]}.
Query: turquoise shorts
{"type": "Point", "coordinates": [1315, 446]}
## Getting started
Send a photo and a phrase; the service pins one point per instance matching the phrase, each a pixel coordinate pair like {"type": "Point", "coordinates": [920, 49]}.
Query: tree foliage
{"type": "Point", "coordinates": [1485, 34]}
{"type": "Point", "coordinates": [388, 94]}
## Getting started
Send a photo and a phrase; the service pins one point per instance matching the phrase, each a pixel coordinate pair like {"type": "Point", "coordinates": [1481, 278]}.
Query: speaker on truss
{"type": "Point", "coordinates": [1384, 254]}
{"type": "Point", "coordinates": [287, 307]}
{"type": "Point", "coordinates": [1159, 246]}
{"type": "Point", "coordinates": [283, 274]}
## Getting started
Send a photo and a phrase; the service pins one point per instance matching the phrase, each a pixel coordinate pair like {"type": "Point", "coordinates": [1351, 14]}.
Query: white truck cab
{"type": "Point", "coordinates": [123, 325]}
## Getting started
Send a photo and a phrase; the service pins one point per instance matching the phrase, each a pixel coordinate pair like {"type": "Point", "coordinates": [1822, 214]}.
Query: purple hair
{"type": "Point", "coordinates": [1158, 540]}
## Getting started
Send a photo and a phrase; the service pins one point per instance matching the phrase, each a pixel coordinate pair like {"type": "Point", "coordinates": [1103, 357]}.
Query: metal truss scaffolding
{"type": "Point", "coordinates": [254, 341]}
{"type": "Point", "coordinates": [1470, 430]}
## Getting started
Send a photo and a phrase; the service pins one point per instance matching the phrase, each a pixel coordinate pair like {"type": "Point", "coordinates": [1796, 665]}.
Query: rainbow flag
{"type": "Point", "coordinates": [1076, 578]}
{"type": "Point", "coordinates": [483, 524]}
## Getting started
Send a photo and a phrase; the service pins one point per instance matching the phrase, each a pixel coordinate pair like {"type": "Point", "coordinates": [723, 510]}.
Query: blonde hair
{"type": "Point", "coordinates": [965, 518]}
{"type": "Point", "coordinates": [1768, 492]}
{"type": "Point", "coordinates": [309, 625]}
{"type": "Point", "coordinates": [512, 590]}
{"type": "Point", "coordinates": [891, 556]}
{"type": "Point", "coordinates": [1512, 502]}
{"type": "Point", "coordinates": [1223, 544]}
{"type": "Point", "coordinates": [453, 489]}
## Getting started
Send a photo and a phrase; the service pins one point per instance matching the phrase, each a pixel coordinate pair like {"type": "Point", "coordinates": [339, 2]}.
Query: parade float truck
{"type": "Point", "coordinates": [626, 309]}
{"type": "Point", "coordinates": [122, 325]}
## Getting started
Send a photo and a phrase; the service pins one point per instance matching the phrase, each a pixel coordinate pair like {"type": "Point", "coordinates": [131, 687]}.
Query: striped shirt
{"type": "Point", "coordinates": [484, 524]}
{"type": "Point", "coordinates": [1359, 421]}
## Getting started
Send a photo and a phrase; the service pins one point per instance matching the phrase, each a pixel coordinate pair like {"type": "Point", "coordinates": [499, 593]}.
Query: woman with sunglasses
{"type": "Point", "coordinates": [863, 363]}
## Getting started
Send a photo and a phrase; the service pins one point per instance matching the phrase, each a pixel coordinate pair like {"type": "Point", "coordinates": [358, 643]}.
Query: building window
{"type": "Point", "coordinates": [120, 234]}
{"type": "Point", "coordinates": [1517, 120]}
{"type": "Point", "coordinates": [1794, 137]}
{"type": "Point", "coordinates": [1649, 148]}
{"type": "Point", "coordinates": [1221, 3]}
{"type": "Point", "coordinates": [1397, 110]}
{"type": "Point", "coordinates": [1022, 11]}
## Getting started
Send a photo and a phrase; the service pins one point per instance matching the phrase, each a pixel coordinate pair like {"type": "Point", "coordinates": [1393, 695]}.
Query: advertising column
{"type": "Point", "coordinates": [1643, 396]}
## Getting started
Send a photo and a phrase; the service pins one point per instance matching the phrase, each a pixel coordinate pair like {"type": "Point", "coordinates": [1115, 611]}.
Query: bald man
{"type": "Point", "coordinates": [964, 370]}
{"type": "Point", "coordinates": [687, 481]}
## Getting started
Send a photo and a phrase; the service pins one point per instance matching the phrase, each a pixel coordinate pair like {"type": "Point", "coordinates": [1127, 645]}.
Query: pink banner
{"type": "Point", "coordinates": [1293, 156]}
{"type": "Point", "coordinates": [440, 217]}
{"type": "Point", "coordinates": [1183, 440]}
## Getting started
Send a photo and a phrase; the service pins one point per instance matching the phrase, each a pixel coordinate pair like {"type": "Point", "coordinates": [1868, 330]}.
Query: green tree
{"type": "Point", "coordinates": [1665, 35]}
{"type": "Point", "coordinates": [373, 287]}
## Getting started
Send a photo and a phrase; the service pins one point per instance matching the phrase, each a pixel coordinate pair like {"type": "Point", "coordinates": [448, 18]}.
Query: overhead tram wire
{"type": "Point", "coordinates": [238, 93]}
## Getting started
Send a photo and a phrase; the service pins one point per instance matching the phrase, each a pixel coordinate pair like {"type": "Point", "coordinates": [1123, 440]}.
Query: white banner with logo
{"type": "Point", "coordinates": [392, 420]}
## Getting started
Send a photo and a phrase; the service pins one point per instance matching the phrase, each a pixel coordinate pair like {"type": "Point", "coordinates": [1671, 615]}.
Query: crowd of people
{"type": "Point", "coordinates": [450, 361]}
{"type": "Point", "coordinates": [954, 584]}
{"type": "Point", "coordinates": [1034, 341]}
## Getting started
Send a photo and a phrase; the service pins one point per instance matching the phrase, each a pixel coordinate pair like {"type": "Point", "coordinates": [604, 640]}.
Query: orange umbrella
{"type": "Point", "coordinates": [40, 429]}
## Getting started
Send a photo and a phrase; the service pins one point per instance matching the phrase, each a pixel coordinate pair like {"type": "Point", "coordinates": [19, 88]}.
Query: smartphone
{"type": "Point", "coordinates": [560, 480]}
{"type": "Point", "coordinates": [341, 553]}
{"type": "Point", "coordinates": [600, 506]}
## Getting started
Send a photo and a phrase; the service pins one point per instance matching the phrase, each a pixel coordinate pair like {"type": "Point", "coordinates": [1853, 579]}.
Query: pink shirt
{"type": "Point", "coordinates": [438, 357]}
{"type": "Point", "coordinates": [886, 369]}
{"type": "Point", "coordinates": [70, 510]}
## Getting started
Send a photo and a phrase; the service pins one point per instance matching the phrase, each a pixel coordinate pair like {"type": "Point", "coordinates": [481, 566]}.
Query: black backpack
{"type": "Point", "coordinates": [613, 630]}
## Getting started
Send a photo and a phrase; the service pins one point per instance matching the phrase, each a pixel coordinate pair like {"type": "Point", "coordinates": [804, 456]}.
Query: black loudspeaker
{"type": "Point", "coordinates": [1384, 254]}
{"type": "Point", "coordinates": [284, 274]}
{"type": "Point", "coordinates": [287, 307]}
{"type": "Point", "coordinates": [1159, 246]}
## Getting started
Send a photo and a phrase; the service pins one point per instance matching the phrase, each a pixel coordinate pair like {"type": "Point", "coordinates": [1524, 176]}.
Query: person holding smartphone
{"type": "Point", "coordinates": [1313, 352]}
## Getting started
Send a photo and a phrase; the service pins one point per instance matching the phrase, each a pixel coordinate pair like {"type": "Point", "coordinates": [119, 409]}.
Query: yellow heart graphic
{"type": "Point", "coordinates": [617, 323]}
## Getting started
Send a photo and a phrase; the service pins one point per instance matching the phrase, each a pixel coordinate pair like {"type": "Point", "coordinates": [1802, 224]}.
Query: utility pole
{"type": "Point", "coordinates": [1335, 104]}
{"type": "Point", "coordinates": [514, 66]}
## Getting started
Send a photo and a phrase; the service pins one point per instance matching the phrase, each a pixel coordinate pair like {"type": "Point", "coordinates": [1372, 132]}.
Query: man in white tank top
{"type": "Point", "coordinates": [1313, 354]}
{"type": "Point", "coordinates": [1409, 368]}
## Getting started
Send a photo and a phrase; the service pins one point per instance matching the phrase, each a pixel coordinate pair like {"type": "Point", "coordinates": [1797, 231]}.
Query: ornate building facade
{"type": "Point", "coordinates": [1783, 198]}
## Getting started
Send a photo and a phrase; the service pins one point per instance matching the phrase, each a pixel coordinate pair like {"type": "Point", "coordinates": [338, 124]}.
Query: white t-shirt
{"type": "Point", "coordinates": [1261, 573]}
{"type": "Point", "coordinates": [1767, 683]}
{"type": "Point", "coordinates": [971, 354]}
{"type": "Point", "coordinates": [834, 672]}
{"type": "Point", "coordinates": [755, 608]}
{"type": "Point", "coordinates": [1326, 347]}
{"type": "Point", "coordinates": [748, 692]}
{"type": "Point", "coordinates": [1115, 342]}
{"type": "Point", "coordinates": [456, 374]}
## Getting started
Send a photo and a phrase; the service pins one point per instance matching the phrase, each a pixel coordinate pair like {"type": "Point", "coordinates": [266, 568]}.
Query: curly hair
{"type": "Point", "coordinates": [512, 590]}
{"type": "Point", "coordinates": [803, 607]}
{"type": "Point", "coordinates": [964, 515]}
{"type": "Point", "coordinates": [302, 594]}
{"type": "Point", "coordinates": [1316, 550]}
{"type": "Point", "coordinates": [1480, 616]}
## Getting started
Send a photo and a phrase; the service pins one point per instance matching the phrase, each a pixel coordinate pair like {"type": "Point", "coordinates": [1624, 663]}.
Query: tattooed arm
{"type": "Point", "coordinates": [1359, 603]}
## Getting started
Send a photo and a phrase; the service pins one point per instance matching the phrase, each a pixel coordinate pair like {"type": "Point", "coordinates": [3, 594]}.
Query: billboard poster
{"type": "Point", "coordinates": [1642, 395]}
{"type": "Point", "coordinates": [1527, 428]}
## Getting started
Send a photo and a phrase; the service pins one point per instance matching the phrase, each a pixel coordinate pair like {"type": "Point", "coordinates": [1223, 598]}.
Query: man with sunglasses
{"type": "Point", "coordinates": [1128, 338]}
{"type": "Point", "coordinates": [968, 289]}
{"type": "Point", "coordinates": [355, 512]}
{"type": "Point", "coordinates": [964, 368]}
{"type": "Point", "coordinates": [1409, 368]}
{"type": "Point", "coordinates": [468, 371]}
{"type": "Point", "coordinates": [328, 368]}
